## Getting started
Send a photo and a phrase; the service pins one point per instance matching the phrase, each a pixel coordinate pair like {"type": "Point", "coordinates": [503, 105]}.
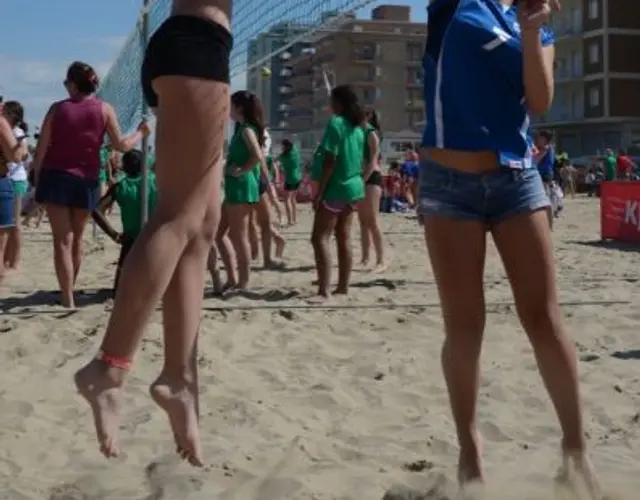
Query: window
{"type": "Point", "coordinates": [594, 53]}
{"type": "Point", "coordinates": [414, 52]}
{"type": "Point", "coordinates": [576, 20]}
{"type": "Point", "coordinates": [378, 93]}
{"type": "Point", "coordinates": [368, 96]}
{"type": "Point", "coordinates": [414, 76]}
{"type": "Point", "coordinates": [594, 97]}
{"type": "Point", "coordinates": [593, 9]}
{"type": "Point", "coordinates": [378, 71]}
{"type": "Point", "coordinates": [415, 118]}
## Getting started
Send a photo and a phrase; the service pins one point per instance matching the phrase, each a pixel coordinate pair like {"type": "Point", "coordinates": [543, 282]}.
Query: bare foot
{"type": "Point", "coordinates": [178, 398]}
{"type": "Point", "coordinates": [578, 475]}
{"type": "Point", "coordinates": [364, 262]}
{"type": "Point", "coordinates": [101, 386]}
{"type": "Point", "coordinates": [273, 265]}
{"type": "Point", "coordinates": [280, 244]}
{"type": "Point", "coordinates": [341, 290]}
{"type": "Point", "coordinates": [470, 469]}
{"type": "Point", "coordinates": [380, 267]}
{"type": "Point", "coordinates": [320, 298]}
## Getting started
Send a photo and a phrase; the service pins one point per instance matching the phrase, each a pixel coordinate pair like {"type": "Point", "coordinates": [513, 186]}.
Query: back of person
{"type": "Point", "coordinates": [77, 133]}
{"type": "Point", "coordinates": [291, 166]}
{"type": "Point", "coordinates": [624, 166]}
{"type": "Point", "coordinates": [346, 142]}
{"type": "Point", "coordinates": [128, 196]}
{"type": "Point", "coordinates": [240, 189]}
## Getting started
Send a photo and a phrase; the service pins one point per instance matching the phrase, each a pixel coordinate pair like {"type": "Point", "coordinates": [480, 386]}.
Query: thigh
{"type": "Point", "coordinates": [263, 211]}
{"type": "Point", "coordinates": [524, 244]}
{"type": "Point", "coordinates": [513, 192]}
{"type": "Point", "coordinates": [457, 253]}
{"type": "Point", "coordinates": [60, 221]}
{"type": "Point", "coordinates": [324, 222]}
{"type": "Point", "coordinates": [343, 225]}
{"type": "Point", "coordinates": [239, 218]}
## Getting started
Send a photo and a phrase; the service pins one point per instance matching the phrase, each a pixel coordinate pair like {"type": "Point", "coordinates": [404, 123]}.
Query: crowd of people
{"type": "Point", "coordinates": [477, 176]}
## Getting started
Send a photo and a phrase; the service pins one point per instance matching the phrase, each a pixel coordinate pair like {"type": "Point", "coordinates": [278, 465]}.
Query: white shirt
{"type": "Point", "coordinates": [17, 171]}
{"type": "Point", "coordinates": [266, 149]}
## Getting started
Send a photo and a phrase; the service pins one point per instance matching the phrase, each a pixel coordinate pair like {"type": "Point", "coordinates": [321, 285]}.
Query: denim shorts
{"type": "Point", "coordinates": [65, 190]}
{"type": "Point", "coordinates": [7, 203]}
{"type": "Point", "coordinates": [489, 197]}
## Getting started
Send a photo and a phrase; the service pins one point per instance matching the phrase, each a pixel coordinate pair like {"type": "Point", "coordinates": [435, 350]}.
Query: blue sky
{"type": "Point", "coordinates": [39, 38]}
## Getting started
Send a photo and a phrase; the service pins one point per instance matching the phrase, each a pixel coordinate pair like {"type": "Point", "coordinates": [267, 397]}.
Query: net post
{"type": "Point", "coordinates": [144, 209]}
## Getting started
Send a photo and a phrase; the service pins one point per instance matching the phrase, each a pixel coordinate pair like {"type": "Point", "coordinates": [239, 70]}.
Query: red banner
{"type": "Point", "coordinates": [620, 211]}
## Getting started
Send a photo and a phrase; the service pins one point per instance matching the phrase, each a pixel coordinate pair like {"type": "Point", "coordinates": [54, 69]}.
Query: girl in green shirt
{"type": "Point", "coordinates": [340, 186]}
{"type": "Point", "coordinates": [292, 168]}
{"type": "Point", "coordinates": [241, 175]}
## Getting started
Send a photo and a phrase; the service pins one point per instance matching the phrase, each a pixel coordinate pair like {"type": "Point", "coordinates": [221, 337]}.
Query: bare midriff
{"type": "Point", "coordinates": [475, 162]}
{"type": "Point", "coordinates": [218, 11]}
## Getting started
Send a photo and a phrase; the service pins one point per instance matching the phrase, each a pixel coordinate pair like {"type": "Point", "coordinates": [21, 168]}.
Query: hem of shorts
{"type": "Point", "coordinates": [528, 209]}
{"type": "Point", "coordinates": [9, 226]}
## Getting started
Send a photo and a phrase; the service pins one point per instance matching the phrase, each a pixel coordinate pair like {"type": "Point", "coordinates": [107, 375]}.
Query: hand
{"type": "Point", "coordinates": [534, 14]}
{"type": "Point", "coordinates": [237, 172]}
{"type": "Point", "coordinates": [144, 128]}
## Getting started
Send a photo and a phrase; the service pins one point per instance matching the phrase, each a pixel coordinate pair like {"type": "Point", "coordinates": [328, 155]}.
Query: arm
{"type": "Point", "coordinates": [44, 141]}
{"type": "Point", "coordinates": [98, 215]}
{"type": "Point", "coordinates": [255, 154]}
{"type": "Point", "coordinates": [119, 142]}
{"type": "Point", "coordinates": [8, 142]}
{"type": "Point", "coordinates": [374, 151]}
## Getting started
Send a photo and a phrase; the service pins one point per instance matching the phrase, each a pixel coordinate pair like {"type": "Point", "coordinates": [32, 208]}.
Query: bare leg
{"type": "Point", "coordinates": [273, 201]}
{"type": "Point", "coordinates": [287, 207]}
{"type": "Point", "coordinates": [4, 236]}
{"type": "Point", "coordinates": [14, 244]}
{"type": "Point", "coordinates": [457, 254]}
{"type": "Point", "coordinates": [78, 224]}
{"type": "Point", "coordinates": [62, 229]}
{"type": "Point", "coordinates": [239, 226]}
{"type": "Point", "coordinates": [227, 253]}
{"type": "Point", "coordinates": [176, 389]}
{"type": "Point", "coordinates": [324, 224]}
{"type": "Point", "coordinates": [365, 237]}
{"type": "Point", "coordinates": [214, 271]}
{"type": "Point", "coordinates": [345, 255]}
{"type": "Point", "coordinates": [184, 197]}
{"type": "Point", "coordinates": [252, 229]}
{"type": "Point", "coordinates": [524, 243]}
{"type": "Point", "coordinates": [374, 193]}
{"type": "Point", "coordinates": [294, 207]}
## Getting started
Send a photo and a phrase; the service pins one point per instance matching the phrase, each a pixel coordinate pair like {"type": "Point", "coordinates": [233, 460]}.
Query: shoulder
{"type": "Point", "coordinates": [335, 122]}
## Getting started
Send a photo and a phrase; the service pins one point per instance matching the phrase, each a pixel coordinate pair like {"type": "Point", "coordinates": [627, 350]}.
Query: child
{"type": "Point", "coordinates": [126, 193]}
{"type": "Point", "coordinates": [338, 172]}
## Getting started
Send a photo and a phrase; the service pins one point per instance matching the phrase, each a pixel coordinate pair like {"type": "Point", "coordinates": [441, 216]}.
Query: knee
{"type": "Point", "coordinates": [63, 241]}
{"type": "Point", "coordinates": [540, 320]}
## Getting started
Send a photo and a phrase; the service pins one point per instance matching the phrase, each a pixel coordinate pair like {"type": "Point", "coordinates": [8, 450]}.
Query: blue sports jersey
{"type": "Point", "coordinates": [474, 91]}
{"type": "Point", "coordinates": [546, 164]}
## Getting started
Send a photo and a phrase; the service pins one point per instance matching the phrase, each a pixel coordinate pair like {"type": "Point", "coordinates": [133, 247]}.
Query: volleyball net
{"type": "Point", "coordinates": [121, 86]}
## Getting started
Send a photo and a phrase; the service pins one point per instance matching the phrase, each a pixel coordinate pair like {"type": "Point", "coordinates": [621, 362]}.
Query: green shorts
{"type": "Point", "coordinates": [20, 188]}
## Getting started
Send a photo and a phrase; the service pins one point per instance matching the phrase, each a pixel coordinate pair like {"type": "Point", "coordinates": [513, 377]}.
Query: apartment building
{"type": "Point", "coordinates": [381, 57]}
{"type": "Point", "coordinates": [260, 55]}
{"type": "Point", "coordinates": [597, 73]}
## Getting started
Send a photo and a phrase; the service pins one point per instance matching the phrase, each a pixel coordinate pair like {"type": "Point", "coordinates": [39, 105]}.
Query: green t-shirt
{"type": "Point", "coordinates": [346, 143]}
{"type": "Point", "coordinates": [128, 195]}
{"type": "Point", "coordinates": [610, 167]}
{"type": "Point", "coordinates": [291, 165]}
{"type": "Point", "coordinates": [244, 189]}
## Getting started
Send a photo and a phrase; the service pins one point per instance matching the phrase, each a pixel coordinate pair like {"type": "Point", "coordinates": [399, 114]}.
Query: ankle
{"type": "Point", "coordinates": [177, 374]}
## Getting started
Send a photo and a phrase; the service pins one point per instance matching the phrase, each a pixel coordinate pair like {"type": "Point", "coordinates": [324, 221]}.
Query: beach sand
{"type": "Point", "coordinates": [340, 403]}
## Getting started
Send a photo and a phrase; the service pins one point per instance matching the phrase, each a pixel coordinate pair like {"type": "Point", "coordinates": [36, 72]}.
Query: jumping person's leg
{"type": "Point", "coordinates": [161, 262]}
{"type": "Point", "coordinates": [62, 232]}
{"type": "Point", "coordinates": [345, 255]}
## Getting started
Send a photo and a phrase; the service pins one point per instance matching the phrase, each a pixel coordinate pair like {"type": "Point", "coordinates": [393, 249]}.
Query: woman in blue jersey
{"type": "Point", "coordinates": [488, 63]}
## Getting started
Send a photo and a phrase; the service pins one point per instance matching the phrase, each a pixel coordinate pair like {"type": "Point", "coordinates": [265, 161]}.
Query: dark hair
{"type": "Point", "coordinates": [547, 135]}
{"type": "Point", "coordinates": [395, 165]}
{"type": "Point", "coordinates": [347, 101]}
{"type": "Point", "coordinates": [374, 120]}
{"type": "Point", "coordinates": [251, 110]}
{"type": "Point", "coordinates": [83, 77]}
{"type": "Point", "coordinates": [132, 162]}
{"type": "Point", "coordinates": [14, 113]}
{"type": "Point", "coordinates": [287, 146]}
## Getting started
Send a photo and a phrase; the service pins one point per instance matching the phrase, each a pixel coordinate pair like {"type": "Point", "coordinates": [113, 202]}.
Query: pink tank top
{"type": "Point", "coordinates": [77, 133]}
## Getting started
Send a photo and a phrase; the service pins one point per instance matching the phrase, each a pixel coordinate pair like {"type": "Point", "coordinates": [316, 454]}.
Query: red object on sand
{"type": "Point", "coordinates": [620, 211]}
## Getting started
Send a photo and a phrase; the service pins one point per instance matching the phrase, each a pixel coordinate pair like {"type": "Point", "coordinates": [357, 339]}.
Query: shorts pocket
{"type": "Point", "coordinates": [434, 177]}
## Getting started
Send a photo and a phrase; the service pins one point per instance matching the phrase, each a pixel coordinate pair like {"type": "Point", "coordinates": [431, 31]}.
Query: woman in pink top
{"type": "Point", "coordinates": [67, 163]}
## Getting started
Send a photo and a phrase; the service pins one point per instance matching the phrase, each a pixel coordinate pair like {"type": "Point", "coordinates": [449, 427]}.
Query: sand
{"type": "Point", "coordinates": [304, 404]}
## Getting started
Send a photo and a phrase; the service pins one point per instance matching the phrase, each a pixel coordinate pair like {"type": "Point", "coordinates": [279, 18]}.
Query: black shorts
{"type": "Point", "coordinates": [291, 187]}
{"type": "Point", "coordinates": [59, 188]}
{"type": "Point", "coordinates": [262, 187]}
{"type": "Point", "coordinates": [375, 179]}
{"type": "Point", "coordinates": [186, 46]}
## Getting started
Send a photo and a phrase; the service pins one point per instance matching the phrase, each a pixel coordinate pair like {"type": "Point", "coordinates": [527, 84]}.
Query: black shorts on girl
{"type": "Point", "coordinates": [291, 187]}
{"type": "Point", "coordinates": [262, 186]}
{"type": "Point", "coordinates": [56, 187]}
{"type": "Point", "coordinates": [375, 179]}
{"type": "Point", "coordinates": [188, 46]}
